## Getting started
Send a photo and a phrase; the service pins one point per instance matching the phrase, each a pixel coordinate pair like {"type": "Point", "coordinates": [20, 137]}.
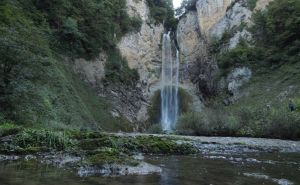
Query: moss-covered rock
{"type": "Point", "coordinates": [110, 156]}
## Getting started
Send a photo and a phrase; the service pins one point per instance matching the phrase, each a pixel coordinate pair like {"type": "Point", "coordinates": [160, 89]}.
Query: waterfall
{"type": "Point", "coordinates": [169, 85]}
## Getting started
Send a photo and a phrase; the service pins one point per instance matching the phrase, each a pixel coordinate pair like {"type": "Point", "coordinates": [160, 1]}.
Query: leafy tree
{"type": "Point", "coordinates": [186, 5]}
{"type": "Point", "coordinates": [162, 12]}
{"type": "Point", "coordinates": [276, 35]}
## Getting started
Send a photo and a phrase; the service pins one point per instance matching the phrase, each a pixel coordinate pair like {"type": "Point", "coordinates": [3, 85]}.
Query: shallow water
{"type": "Point", "coordinates": [247, 169]}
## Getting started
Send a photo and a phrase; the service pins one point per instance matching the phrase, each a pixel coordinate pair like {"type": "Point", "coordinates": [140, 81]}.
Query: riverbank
{"type": "Point", "coordinates": [261, 144]}
{"type": "Point", "coordinates": [110, 154]}
{"type": "Point", "coordinates": [89, 153]}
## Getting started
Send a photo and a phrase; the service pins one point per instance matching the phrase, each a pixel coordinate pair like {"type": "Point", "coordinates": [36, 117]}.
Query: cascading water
{"type": "Point", "coordinates": [169, 88]}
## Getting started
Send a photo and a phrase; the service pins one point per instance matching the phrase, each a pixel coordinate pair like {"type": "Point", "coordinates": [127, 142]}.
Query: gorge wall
{"type": "Point", "coordinates": [142, 50]}
{"type": "Point", "coordinates": [197, 30]}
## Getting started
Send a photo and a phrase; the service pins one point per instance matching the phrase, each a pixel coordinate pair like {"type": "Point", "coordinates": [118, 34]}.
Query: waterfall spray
{"type": "Point", "coordinates": [169, 86]}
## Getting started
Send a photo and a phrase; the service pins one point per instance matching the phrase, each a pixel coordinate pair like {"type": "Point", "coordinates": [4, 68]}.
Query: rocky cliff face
{"type": "Point", "coordinates": [142, 50]}
{"type": "Point", "coordinates": [189, 37]}
{"type": "Point", "coordinates": [197, 29]}
{"type": "Point", "coordinates": [261, 4]}
{"type": "Point", "coordinates": [210, 12]}
{"type": "Point", "coordinates": [197, 68]}
{"type": "Point", "coordinates": [238, 13]}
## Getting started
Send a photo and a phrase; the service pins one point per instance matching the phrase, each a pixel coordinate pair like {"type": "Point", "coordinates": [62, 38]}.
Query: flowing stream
{"type": "Point", "coordinates": [169, 89]}
{"type": "Point", "coordinates": [242, 169]}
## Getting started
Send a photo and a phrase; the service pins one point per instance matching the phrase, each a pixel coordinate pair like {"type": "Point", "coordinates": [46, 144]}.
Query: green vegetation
{"type": "Point", "coordinates": [261, 108]}
{"type": "Point", "coordinates": [97, 148]}
{"type": "Point", "coordinates": [154, 111]}
{"type": "Point", "coordinates": [162, 12]}
{"type": "Point", "coordinates": [186, 5]}
{"type": "Point", "coordinates": [118, 71]}
{"type": "Point", "coordinates": [251, 4]}
{"type": "Point", "coordinates": [217, 44]}
{"type": "Point", "coordinates": [129, 145]}
{"type": "Point", "coordinates": [83, 28]}
{"type": "Point", "coordinates": [9, 129]}
{"type": "Point", "coordinates": [36, 85]}
{"type": "Point", "coordinates": [30, 138]}
{"type": "Point", "coordinates": [110, 156]}
{"type": "Point", "coordinates": [242, 121]}
{"type": "Point", "coordinates": [276, 38]}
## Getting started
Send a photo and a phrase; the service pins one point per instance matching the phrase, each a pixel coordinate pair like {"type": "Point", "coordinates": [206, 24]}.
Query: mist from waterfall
{"type": "Point", "coordinates": [169, 85]}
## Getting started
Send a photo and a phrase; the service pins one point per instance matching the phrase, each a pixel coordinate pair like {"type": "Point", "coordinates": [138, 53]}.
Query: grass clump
{"type": "Point", "coordinates": [8, 128]}
{"type": "Point", "coordinates": [57, 140]}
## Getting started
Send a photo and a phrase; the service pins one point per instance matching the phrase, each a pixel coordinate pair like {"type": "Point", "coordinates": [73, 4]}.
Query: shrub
{"type": "Point", "coordinates": [276, 33]}
{"type": "Point", "coordinates": [251, 4]}
{"type": "Point", "coordinates": [155, 129]}
{"type": "Point", "coordinates": [136, 24]}
{"type": "Point", "coordinates": [162, 12]}
{"type": "Point", "coordinates": [194, 123]}
{"type": "Point", "coordinates": [232, 125]}
{"type": "Point", "coordinates": [297, 103]}
{"type": "Point", "coordinates": [283, 124]}
{"type": "Point", "coordinates": [117, 70]}
{"type": "Point", "coordinates": [244, 121]}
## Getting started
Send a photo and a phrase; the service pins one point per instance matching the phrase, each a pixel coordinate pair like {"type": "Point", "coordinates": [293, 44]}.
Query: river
{"type": "Point", "coordinates": [211, 169]}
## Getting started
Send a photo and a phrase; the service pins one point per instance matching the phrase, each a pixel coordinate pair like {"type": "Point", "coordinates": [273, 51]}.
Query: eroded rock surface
{"type": "Point", "coordinates": [210, 12]}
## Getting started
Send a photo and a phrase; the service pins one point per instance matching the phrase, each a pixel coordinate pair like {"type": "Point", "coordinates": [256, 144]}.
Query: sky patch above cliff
{"type": "Point", "coordinates": [177, 3]}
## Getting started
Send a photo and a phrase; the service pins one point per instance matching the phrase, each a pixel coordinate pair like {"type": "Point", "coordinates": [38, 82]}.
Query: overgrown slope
{"type": "Point", "coordinates": [261, 107]}
{"type": "Point", "coordinates": [36, 86]}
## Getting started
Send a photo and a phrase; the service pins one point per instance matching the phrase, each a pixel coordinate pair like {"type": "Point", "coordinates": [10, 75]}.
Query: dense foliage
{"type": "Point", "coordinates": [162, 12]}
{"type": "Point", "coordinates": [83, 28]}
{"type": "Point", "coordinates": [276, 35]}
{"type": "Point", "coordinates": [186, 5]}
{"type": "Point", "coordinates": [245, 121]}
{"type": "Point", "coordinates": [35, 85]}
{"type": "Point", "coordinates": [261, 107]}
{"type": "Point", "coordinates": [118, 71]}
{"type": "Point", "coordinates": [251, 4]}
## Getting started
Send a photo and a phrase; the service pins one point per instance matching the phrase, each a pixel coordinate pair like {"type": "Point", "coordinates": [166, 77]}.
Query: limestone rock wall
{"type": "Point", "coordinates": [197, 29]}
{"type": "Point", "coordinates": [142, 51]}
{"type": "Point", "coordinates": [237, 14]}
{"type": "Point", "coordinates": [197, 68]}
{"type": "Point", "coordinates": [189, 38]}
{"type": "Point", "coordinates": [210, 12]}
{"type": "Point", "coordinates": [262, 4]}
